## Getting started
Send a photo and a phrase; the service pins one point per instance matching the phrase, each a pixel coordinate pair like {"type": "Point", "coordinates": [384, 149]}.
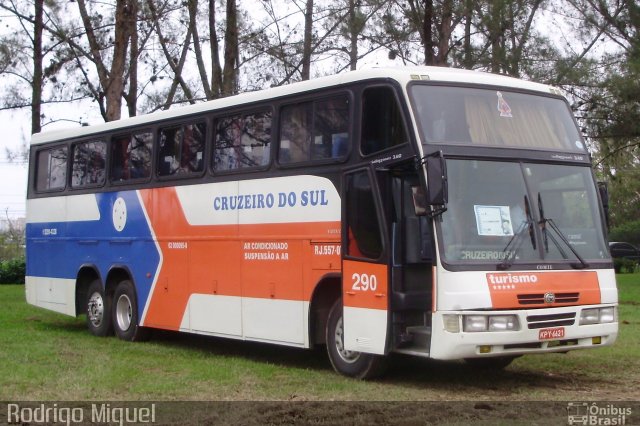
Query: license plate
{"type": "Point", "coordinates": [551, 333]}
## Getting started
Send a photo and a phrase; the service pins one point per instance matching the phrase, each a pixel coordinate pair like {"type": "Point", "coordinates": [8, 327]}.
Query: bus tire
{"type": "Point", "coordinates": [98, 308]}
{"type": "Point", "coordinates": [125, 314]}
{"type": "Point", "coordinates": [350, 363]}
{"type": "Point", "coordinates": [490, 363]}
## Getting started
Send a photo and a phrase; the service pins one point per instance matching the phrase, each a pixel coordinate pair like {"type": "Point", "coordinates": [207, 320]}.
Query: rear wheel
{"type": "Point", "coordinates": [125, 313]}
{"type": "Point", "coordinates": [350, 363]}
{"type": "Point", "coordinates": [98, 308]}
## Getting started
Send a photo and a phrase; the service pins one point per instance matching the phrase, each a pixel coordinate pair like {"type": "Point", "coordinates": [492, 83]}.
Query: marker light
{"type": "Point", "coordinates": [451, 323]}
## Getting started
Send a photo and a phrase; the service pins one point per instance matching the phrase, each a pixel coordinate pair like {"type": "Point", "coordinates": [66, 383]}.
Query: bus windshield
{"type": "Point", "coordinates": [490, 117]}
{"type": "Point", "coordinates": [507, 213]}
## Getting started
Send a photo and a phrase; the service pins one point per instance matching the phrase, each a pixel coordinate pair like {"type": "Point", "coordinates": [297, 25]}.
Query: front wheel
{"type": "Point", "coordinates": [350, 363]}
{"type": "Point", "coordinates": [125, 314]}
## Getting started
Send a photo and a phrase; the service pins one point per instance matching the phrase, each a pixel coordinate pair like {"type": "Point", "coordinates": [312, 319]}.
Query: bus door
{"type": "Point", "coordinates": [412, 254]}
{"type": "Point", "coordinates": [365, 270]}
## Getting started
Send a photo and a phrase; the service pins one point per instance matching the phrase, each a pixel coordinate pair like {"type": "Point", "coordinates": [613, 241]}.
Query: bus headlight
{"type": "Point", "coordinates": [598, 315]}
{"type": "Point", "coordinates": [503, 323]}
{"type": "Point", "coordinates": [608, 314]}
{"type": "Point", "coordinates": [474, 323]}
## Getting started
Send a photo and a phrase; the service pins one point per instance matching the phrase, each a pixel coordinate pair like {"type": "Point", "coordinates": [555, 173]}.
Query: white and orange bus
{"type": "Point", "coordinates": [435, 212]}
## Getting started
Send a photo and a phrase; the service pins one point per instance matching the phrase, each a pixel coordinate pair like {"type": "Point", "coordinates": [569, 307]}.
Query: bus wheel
{"type": "Point", "coordinates": [98, 310]}
{"type": "Point", "coordinates": [349, 363]}
{"type": "Point", "coordinates": [491, 363]}
{"type": "Point", "coordinates": [125, 313]}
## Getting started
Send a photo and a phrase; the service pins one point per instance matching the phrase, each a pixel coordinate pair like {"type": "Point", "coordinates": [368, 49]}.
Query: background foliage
{"type": "Point", "coordinates": [77, 60]}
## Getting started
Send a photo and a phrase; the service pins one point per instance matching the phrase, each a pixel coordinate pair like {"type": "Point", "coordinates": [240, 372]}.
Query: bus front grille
{"type": "Point", "coordinates": [538, 298]}
{"type": "Point", "coordinates": [553, 320]}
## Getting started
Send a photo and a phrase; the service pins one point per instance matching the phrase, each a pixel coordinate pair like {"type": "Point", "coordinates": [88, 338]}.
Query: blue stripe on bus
{"type": "Point", "coordinates": [67, 246]}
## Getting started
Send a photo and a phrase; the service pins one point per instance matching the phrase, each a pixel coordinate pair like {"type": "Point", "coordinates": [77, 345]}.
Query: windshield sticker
{"type": "Point", "coordinates": [503, 107]}
{"type": "Point", "coordinates": [493, 220]}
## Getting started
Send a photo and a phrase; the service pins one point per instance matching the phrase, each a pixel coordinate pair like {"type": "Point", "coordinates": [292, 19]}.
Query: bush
{"type": "Point", "coordinates": [12, 271]}
{"type": "Point", "coordinates": [628, 232]}
{"type": "Point", "coordinates": [622, 265]}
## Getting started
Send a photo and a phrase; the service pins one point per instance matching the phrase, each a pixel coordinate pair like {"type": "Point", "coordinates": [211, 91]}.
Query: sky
{"type": "Point", "coordinates": [13, 176]}
{"type": "Point", "coordinates": [16, 128]}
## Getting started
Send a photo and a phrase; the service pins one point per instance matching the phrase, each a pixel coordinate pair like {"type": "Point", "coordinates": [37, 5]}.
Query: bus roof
{"type": "Point", "coordinates": [401, 74]}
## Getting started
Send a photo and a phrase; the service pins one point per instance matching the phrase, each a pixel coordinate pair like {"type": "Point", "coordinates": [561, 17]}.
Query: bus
{"type": "Point", "coordinates": [435, 212]}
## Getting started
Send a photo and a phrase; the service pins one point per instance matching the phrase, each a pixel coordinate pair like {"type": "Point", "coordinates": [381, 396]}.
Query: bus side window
{"type": "Point", "coordinates": [313, 131]}
{"type": "Point", "coordinates": [181, 149]}
{"type": "Point", "coordinates": [88, 167]}
{"type": "Point", "coordinates": [242, 141]}
{"type": "Point", "coordinates": [331, 128]}
{"type": "Point", "coordinates": [382, 123]}
{"type": "Point", "coordinates": [192, 159]}
{"type": "Point", "coordinates": [295, 133]}
{"type": "Point", "coordinates": [131, 156]}
{"type": "Point", "coordinates": [51, 171]}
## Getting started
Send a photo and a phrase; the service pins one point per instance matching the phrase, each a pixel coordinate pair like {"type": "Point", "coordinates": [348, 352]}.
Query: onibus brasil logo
{"type": "Point", "coordinates": [584, 413]}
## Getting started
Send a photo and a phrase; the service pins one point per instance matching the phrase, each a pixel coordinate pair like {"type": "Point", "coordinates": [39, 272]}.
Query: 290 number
{"type": "Point", "coordinates": [364, 282]}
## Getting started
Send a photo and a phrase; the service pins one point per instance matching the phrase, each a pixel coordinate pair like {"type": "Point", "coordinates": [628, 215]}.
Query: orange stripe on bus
{"type": "Point", "coordinates": [270, 261]}
{"type": "Point", "coordinates": [528, 289]}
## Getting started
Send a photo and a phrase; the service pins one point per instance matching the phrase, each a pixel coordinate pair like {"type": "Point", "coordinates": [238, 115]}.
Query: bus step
{"type": "Point", "coordinates": [421, 336]}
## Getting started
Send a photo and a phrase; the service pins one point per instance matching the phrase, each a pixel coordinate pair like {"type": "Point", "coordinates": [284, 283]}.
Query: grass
{"type": "Point", "coordinates": [48, 356]}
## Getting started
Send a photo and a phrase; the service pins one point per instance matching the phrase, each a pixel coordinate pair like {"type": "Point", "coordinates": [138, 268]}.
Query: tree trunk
{"type": "Point", "coordinates": [308, 39]}
{"type": "Point", "coordinates": [229, 72]}
{"type": "Point", "coordinates": [468, 15]}
{"type": "Point", "coordinates": [193, 24]}
{"type": "Point", "coordinates": [112, 81]}
{"type": "Point", "coordinates": [354, 31]}
{"type": "Point", "coordinates": [132, 97]}
{"type": "Point", "coordinates": [444, 33]}
{"type": "Point", "coordinates": [36, 84]}
{"type": "Point", "coordinates": [216, 68]}
{"type": "Point", "coordinates": [427, 33]}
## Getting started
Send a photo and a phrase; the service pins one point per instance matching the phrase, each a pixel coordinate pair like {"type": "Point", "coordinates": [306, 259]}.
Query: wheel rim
{"type": "Point", "coordinates": [95, 309]}
{"type": "Point", "coordinates": [124, 312]}
{"type": "Point", "coordinates": [345, 355]}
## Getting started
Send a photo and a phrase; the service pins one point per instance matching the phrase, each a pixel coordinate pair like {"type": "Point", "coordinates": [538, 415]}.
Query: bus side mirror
{"type": "Point", "coordinates": [437, 191]}
{"type": "Point", "coordinates": [604, 199]}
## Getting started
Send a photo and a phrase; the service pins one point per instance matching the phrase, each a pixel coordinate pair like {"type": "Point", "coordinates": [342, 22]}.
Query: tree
{"type": "Point", "coordinates": [111, 88]}
{"type": "Point", "coordinates": [21, 56]}
{"type": "Point", "coordinates": [609, 107]}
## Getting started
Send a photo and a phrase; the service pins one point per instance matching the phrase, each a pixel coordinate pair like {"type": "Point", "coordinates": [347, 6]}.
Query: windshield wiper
{"type": "Point", "coordinates": [547, 236]}
{"type": "Point", "coordinates": [516, 240]}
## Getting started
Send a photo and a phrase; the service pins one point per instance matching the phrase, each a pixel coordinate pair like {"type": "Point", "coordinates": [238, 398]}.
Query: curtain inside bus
{"type": "Point", "coordinates": [489, 117]}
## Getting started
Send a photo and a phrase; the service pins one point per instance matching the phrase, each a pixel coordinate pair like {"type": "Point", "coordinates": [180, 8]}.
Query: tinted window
{"type": "Point", "coordinates": [89, 162]}
{"type": "Point", "coordinates": [363, 227]}
{"type": "Point", "coordinates": [315, 130]}
{"type": "Point", "coordinates": [51, 172]}
{"type": "Point", "coordinates": [242, 141]}
{"type": "Point", "coordinates": [382, 123]}
{"type": "Point", "coordinates": [464, 115]}
{"type": "Point", "coordinates": [131, 157]}
{"type": "Point", "coordinates": [181, 149]}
